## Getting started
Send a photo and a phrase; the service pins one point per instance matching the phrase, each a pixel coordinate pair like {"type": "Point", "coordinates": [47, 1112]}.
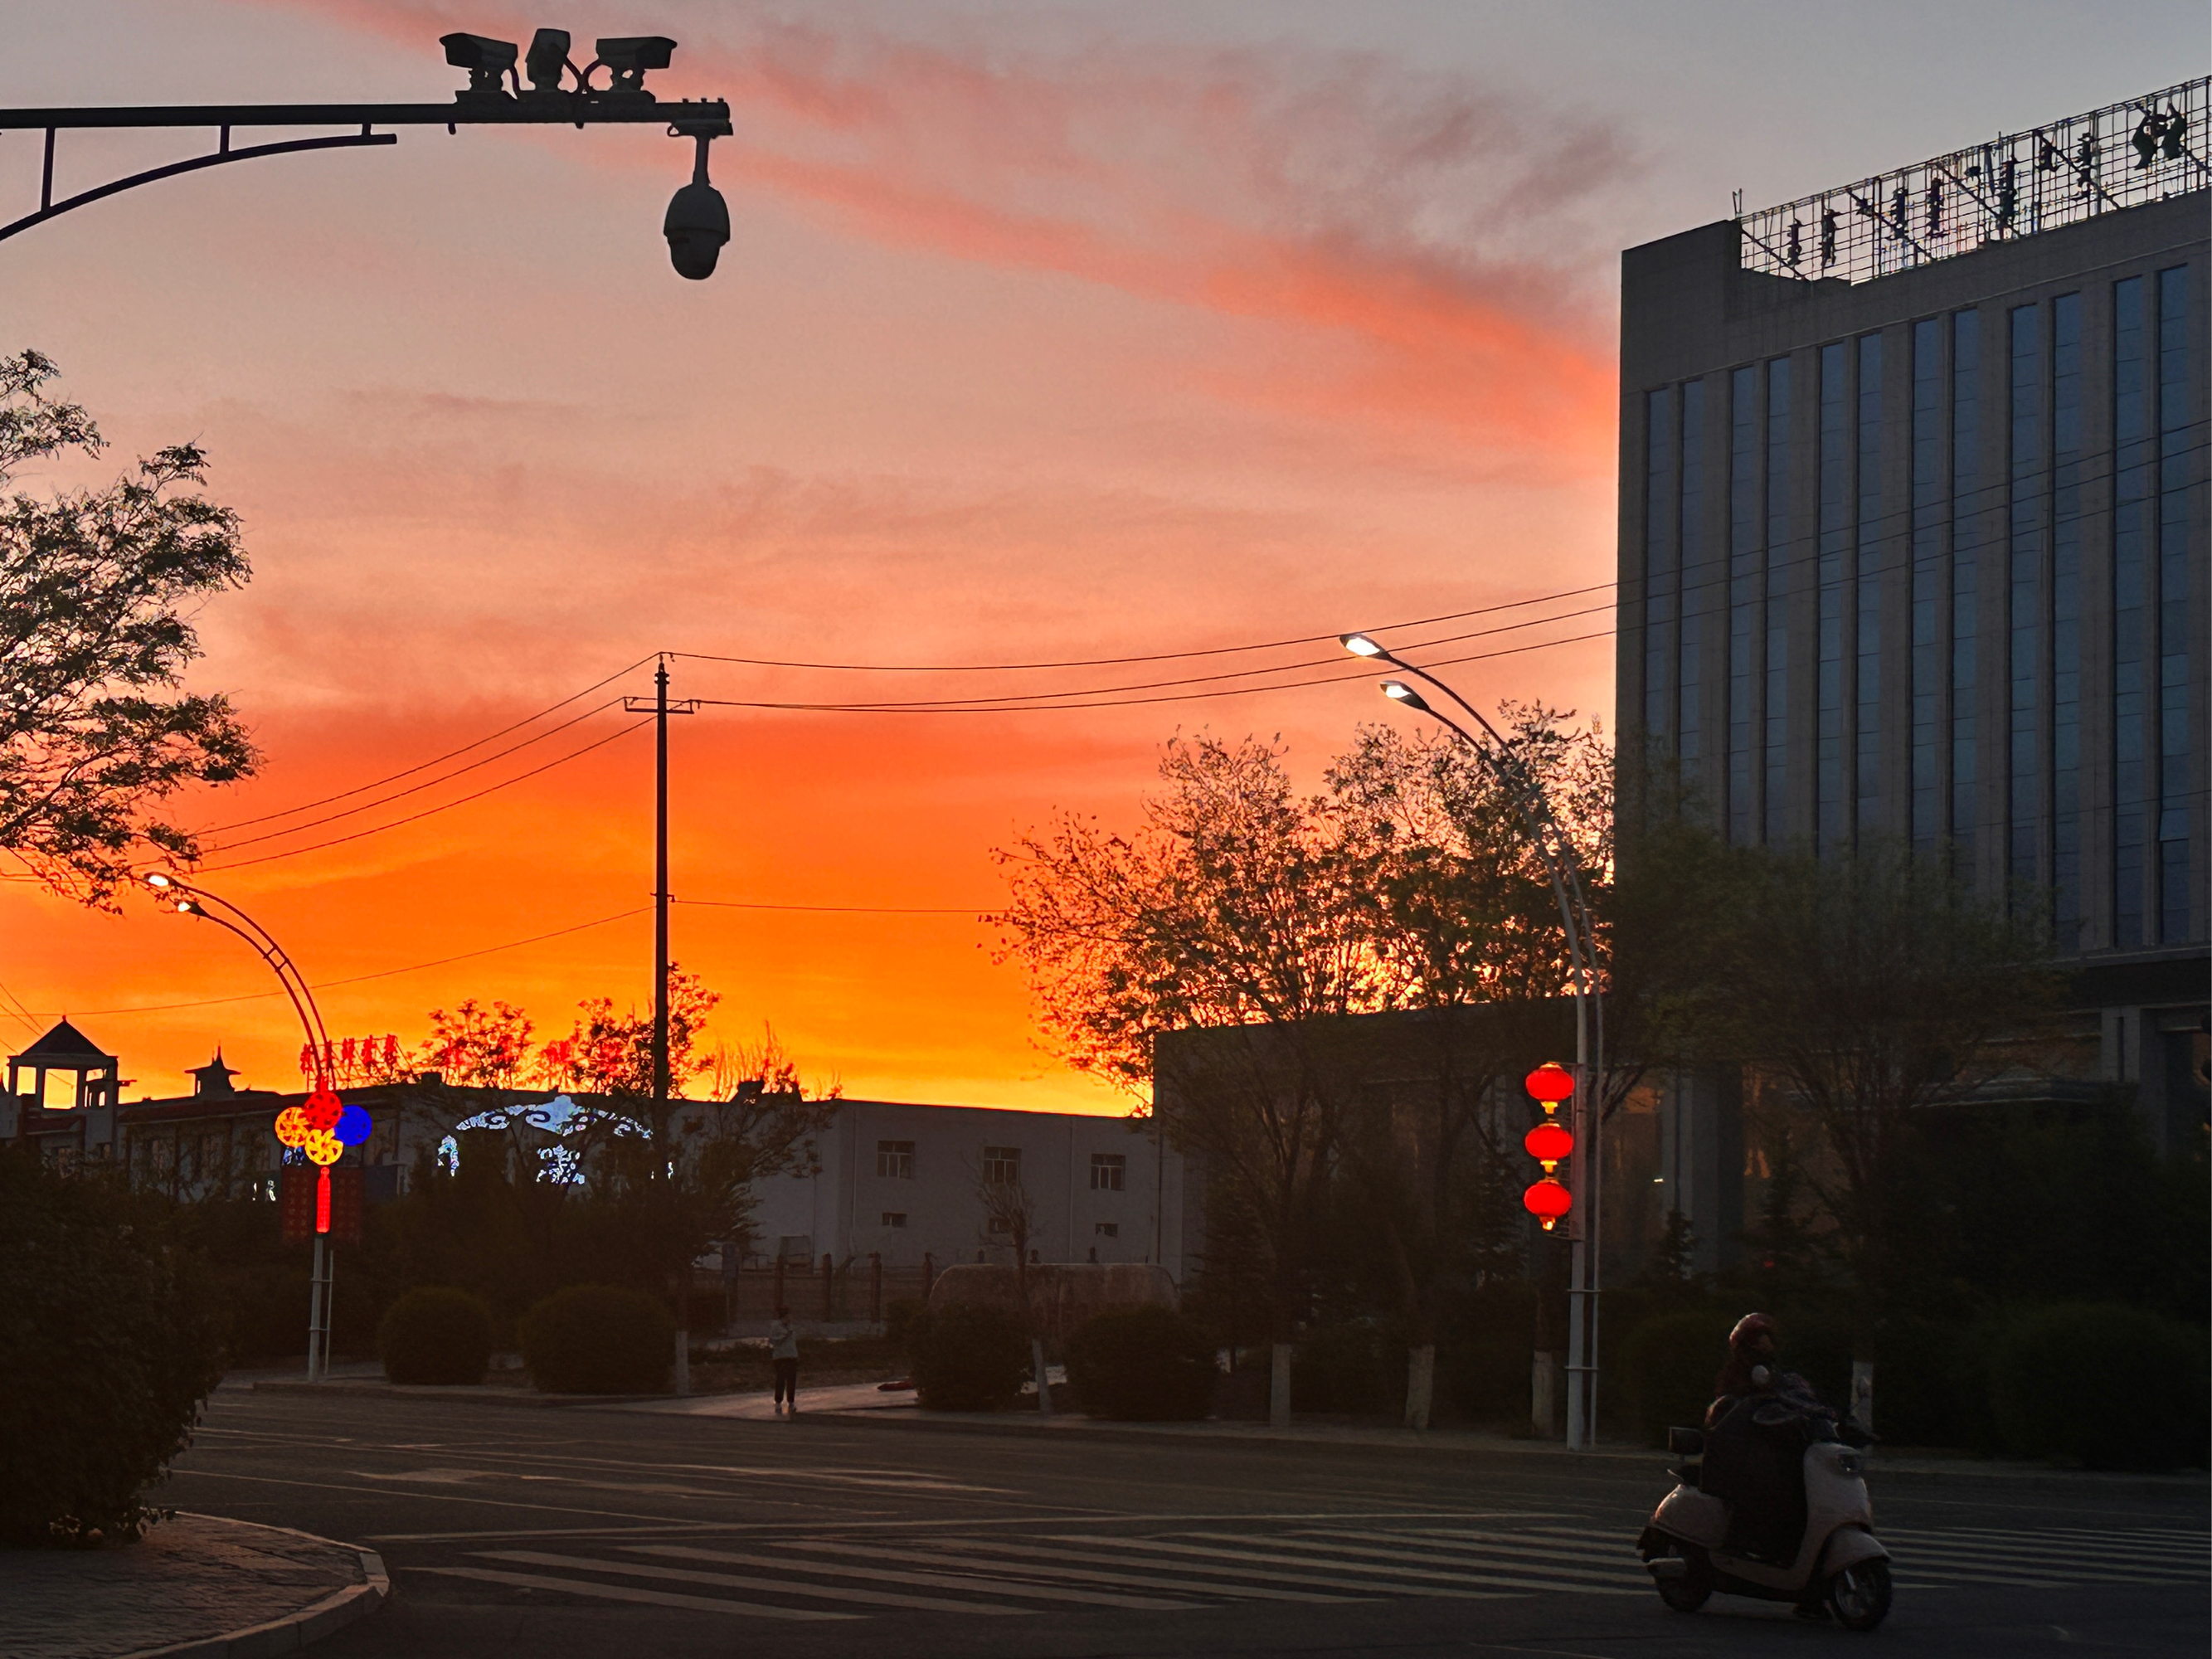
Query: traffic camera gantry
{"type": "Point", "coordinates": [698, 221]}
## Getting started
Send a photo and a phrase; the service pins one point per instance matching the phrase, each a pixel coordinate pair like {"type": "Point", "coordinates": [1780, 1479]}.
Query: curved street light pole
{"type": "Point", "coordinates": [1557, 849]}
{"type": "Point", "coordinates": [195, 902]}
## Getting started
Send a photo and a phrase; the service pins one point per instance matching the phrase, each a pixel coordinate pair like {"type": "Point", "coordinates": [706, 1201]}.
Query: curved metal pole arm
{"type": "Point", "coordinates": [287, 971]}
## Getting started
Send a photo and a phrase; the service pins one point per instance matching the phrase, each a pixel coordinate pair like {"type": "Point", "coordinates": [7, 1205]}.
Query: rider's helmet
{"type": "Point", "coordinates": [1748, 1329]}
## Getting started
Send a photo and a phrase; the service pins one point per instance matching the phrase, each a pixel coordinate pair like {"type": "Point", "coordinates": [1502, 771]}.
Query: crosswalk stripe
{"type": "Point", "coordinates": [2115, 1568]}
{"type": "Point", "coordinates": [1200, 1581]}
{"type": "Point", "coordinates": [1368, 1589]}
{"type": "Point", "coordinates": [1620, 1557]}
{"type": "Point", "coordinates": [630, 1593]}
{"type": "Point", "coordinates": [1492, 1584]}
{"type": "Point", "coordinates": [2109, 1544]}
{"type": "Point", "coordinates": [953, 1581]}
{"type": "Point", "coordinates": [742, 1581]}
{"type": "Point", "coordinates": [1614, 1572]}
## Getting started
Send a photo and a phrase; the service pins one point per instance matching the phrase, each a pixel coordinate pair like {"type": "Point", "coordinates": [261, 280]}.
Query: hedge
{"type": "Point", "coordinates": [436, 1334]}
{"type": "Point", "coordinates": [107, 1353]}
{"type": "Point", "coordinates": [968, 1358]}
{"type": "Point", "coordinates": [1145, 1365]}
{"type": "Point", "coordinates": [596, 1339]}
{"type": "Point", "coordinates": [2116, 1386]}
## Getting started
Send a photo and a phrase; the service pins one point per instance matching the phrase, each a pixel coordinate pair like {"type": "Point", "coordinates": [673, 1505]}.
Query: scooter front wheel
{"type": "Point", "coordinates": [1859, 1594]}
{"type": "Point", "coordinates": [1690, 1589]}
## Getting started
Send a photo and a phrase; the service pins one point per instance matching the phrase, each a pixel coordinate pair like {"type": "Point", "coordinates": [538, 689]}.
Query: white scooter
{"type": "Point", "coordinates": [1839, 1562]}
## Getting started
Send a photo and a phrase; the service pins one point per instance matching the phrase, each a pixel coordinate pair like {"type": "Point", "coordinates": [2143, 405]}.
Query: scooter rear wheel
{"type": "Point", "coordinates": [1859, 1594]}
{"type": "Point", "coordinates": [1694, 1588]}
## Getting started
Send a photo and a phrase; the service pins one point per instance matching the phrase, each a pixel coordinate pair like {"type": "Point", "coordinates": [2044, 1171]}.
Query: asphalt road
{"type": "Point", "coordinates": [556, 1533]}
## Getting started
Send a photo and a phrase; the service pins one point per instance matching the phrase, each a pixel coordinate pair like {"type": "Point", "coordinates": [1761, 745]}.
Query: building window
{"type": "Point", "coordinates": [1108, 1229]}
{"type": "Point", "coordinates": [1868, 576]}
{"type": "Point", "coordinates": [1002, 1166]}
{"type": "Point", "coordinates": [1690, 720]}
{"type": "Point", "coordinates": [1659, 574]}
{"type": "Point", "coordinates": [1001, 1225]}
{"type": "Point", "coordinates": [2024, 600]}
{"type": "Point", "coordinates": [894, 1218]}
{"type": "Point", "coordinates": [1966, 506]}
{"type": "Point", "coordinates": [1831, 823]}
{"type": "Point", "coordinates": [2066, 617]}
{"type": "Point", "coordinates": [1928, 516]}
{"type": "Point", "coordinates": [2131, 632]}
{"type": "Point", "coordinates": [1744, 469]}
{"type": "Point", "coordinates": [1109, 1172]}
{"type": "Point", "coordinates": [895, 1161]}
{"type": "Point", "coordinates": [2179, 446]}
{"type": "Point", "coordinates": [1781, 555]}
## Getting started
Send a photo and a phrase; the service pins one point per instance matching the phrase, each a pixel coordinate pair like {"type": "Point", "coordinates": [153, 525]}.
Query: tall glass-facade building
{"type": "Point", "coordinates": [1914, 543]}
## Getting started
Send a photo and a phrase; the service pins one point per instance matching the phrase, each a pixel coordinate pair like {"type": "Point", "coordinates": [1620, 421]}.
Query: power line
{"type": "Point", "coordinates": [1109, 662]}
{"type": "Point", "coordinates": [378, 783]}
{"type": "Point", "coordinates": [431, 811]}
{"type": "Point", "coordinates": [926, 707]}
{"type": "Point", "coordinates": [980, 911]}
{"type": "Point", "coordinates": [416, 788]}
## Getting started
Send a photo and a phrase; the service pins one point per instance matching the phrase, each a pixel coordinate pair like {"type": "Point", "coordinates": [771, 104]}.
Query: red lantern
{"type": "Point", "coordinates": [1550, 1083]}
{"type": "Point", "coordinates": [1549, 1144]}
{"type": "Point", "coordinates": [1547, 1202]}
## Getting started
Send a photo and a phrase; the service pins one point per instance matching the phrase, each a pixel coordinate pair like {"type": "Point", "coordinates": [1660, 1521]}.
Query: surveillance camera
{"type": "Point", "coordinates": [630, 56]}
{"type": "Point", "coordinates": [697, 225]}
{"type": "Point", "coordinates": [547, 57]}
{"type": "Point", "coordinates": [485, 59]}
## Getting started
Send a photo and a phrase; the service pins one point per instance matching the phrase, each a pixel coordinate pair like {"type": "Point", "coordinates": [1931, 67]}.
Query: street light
{"type": "Point", "coordinates": [322, 1126]}
{"type": "Point", "coordinates": [698, 221]}
{"type": "Point", "coordinates": [1557, 849]}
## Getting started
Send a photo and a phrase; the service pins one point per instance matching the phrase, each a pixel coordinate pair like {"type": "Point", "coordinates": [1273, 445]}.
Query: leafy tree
{"type": "Point", "coordinates": [96, 587]}
{"type": "Point", "coordinates": [1872, 988]}
{"type": "Point", "coordinates": [478, 1047]}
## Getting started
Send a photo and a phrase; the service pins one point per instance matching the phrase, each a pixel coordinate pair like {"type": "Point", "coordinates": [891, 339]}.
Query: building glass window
{"type": "Point", "coordinates": [1109, 1172]}
{"type": "Point", "coordinates": [1965, 577]}
{"type": "Point", "coordinates": [2066, 617]}
{"type": "Point", "coordinates": [2175, 606]}
{"type": "Point", "coordinates": [1830, 826]}
{"type": "Point", "coordinates": [1867, 742]}
{"type": "Point", "coordinates": [895, 1160]}
{"type": "Point", "coordinates": [1689, 720]}
{"type": "Point", "coordinates": [1108, 1229]}
{"type": "Point", "coordinates": [894, 1218]}
{"type": "Point", "coordinates": [2024, 601]}
{"type": "Point", "coordinates": [1002, 1166]}
{"type": "Point", "coordinates": [2131, 482]}
{"type": "Point", "coordinates": [1744, 469]}
{"type": "Point", "coordinates": [1928, 517]}
{"type": "Point", "coordinates": [1659, 574]}
{"type": "Point", "coordinates": [1778, 562]}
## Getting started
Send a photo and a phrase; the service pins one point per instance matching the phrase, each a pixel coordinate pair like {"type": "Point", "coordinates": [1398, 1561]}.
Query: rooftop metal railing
{"type": "Point", "coordinates": [2015, 185]}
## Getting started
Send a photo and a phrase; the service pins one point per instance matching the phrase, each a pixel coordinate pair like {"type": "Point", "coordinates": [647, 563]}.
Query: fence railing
{"type": "Point", "coordinates": [2015, 185]}
{"type": "Point", "coordinates": [825, 1289]}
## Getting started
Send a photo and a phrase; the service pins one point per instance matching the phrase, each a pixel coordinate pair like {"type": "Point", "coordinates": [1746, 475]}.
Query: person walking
{"type": "Point", "coordinates": [783, 1357]}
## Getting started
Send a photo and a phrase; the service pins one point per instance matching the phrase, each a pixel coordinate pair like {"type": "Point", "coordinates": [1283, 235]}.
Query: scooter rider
{"type": "Point", "coordinates": [1751, 1370]}
{"type": "Point", "coordinates": [1758, 1426]}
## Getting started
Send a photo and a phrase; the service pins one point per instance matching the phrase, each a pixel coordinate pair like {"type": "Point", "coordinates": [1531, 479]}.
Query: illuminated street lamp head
{"type": "Point", "coordinates": [156, 879]}
{"type": "Point", "coordinates": [189, 907]}
{"type": "Point", "coordinates": [1360, 646]}
{"type": "Point", "coordinates": [1399, 691]}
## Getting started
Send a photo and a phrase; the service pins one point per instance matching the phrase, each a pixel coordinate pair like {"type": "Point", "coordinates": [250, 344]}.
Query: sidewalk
{"type": "Point", "coordinates": [197, 1587]}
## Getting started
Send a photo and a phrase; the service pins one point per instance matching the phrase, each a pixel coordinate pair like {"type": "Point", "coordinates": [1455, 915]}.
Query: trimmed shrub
{"type": "Point", "coordinates": [597, 1339]}
{"type": "Point", "coordinates": [967, 1358]}
{"type": "Point", "coordinates": [107, 1353]}
{"type": "Point", "coordinates": [1142, 1365]}
{"type": "Point", "coordinates": [2114, 1386]}
{"type": "Point", "coordinates": [436, 1334]}
{"type": "Point", "coordinates": [1672, 1361]}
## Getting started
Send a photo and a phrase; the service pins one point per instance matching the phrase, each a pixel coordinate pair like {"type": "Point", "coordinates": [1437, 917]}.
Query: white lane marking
{"type": "Point", "coordinates": [1333, 1551]}
{"type": "Point", "coordinates": [629, 1593]}
{"type": "Point", "coordinates": [941, 1580]}
{"type": "Point", "coordinates": [742, 1581]}
{"type": "Point", "coordinates": [1613, 1563]}
{"type": "Point", "coordinates": [1026, 1559]}
{"type": "Point", "coordinates": [1368, 1589]}
{"type": "Point", "coordinates": [1395, 1578]}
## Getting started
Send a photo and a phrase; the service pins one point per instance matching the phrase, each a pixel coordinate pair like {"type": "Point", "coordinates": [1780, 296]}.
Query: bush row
{"type": "Point", "coordinates": [588, 1338]}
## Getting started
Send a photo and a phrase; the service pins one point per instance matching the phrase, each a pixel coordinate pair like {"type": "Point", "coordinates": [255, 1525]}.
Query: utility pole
{"type": "Point", "coordinates": [661, 708]}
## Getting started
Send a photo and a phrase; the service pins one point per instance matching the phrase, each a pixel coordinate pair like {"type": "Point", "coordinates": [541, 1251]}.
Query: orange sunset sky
{"type": "Point", "coordinates": [1047, 331]}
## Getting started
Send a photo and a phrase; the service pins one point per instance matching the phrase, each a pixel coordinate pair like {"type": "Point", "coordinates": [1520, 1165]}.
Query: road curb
{"type": "Point", "coordinates": [1611, 1460]}
{"type": "Point", "coordinates": [474, 1393]}
{"type": "Point", "coordinates": [294, 1631]}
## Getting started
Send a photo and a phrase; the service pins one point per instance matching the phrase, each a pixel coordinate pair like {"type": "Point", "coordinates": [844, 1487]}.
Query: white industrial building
{"type": "Point", "coordinates": [901, 1182]}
